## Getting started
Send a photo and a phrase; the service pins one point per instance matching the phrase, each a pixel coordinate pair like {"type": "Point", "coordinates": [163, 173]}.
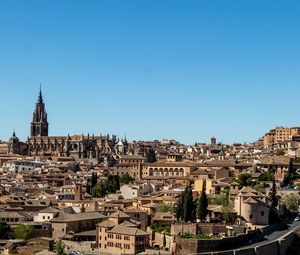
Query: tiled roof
{"type": "Point", "coordinates": [128, 231]}
{"type": "Point", "coordinates": [66, 217]}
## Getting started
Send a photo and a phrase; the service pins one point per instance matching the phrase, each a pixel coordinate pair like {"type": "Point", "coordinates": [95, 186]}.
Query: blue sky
{"type": "Point", "coordinates": [186, 70]}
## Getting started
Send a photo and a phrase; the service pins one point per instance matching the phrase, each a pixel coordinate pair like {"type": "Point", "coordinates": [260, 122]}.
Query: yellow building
{"type": "Point", "coordinates": [208, 185]}
{"type": "Point", "coordinates": [280, 134]}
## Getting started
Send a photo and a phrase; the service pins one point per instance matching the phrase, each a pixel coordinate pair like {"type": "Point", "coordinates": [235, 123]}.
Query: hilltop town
{"type": "Point", "coordinates": [102, 194]}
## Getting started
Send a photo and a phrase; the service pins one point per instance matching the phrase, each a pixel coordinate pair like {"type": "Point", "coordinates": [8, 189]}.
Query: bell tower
{"type": "Point", "coordinates": [39, 124]}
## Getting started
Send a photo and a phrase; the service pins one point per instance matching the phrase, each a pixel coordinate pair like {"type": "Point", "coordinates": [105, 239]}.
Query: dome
{"type": "Point", "coordinates": [14, 138]}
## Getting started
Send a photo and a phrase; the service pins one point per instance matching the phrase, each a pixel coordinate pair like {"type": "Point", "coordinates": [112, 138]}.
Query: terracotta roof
{"type": "Point", "coordinates": [250, 200]}
{"type": "Point", "coordinates": [49, 210]}
{"type": "Point", "coordinates": [130, 224]}
{"type": "Point", "coordinates": [160, 216]}
{"type": "Point", "coordinates": [251, 195]}
{"type": "Point", "coordinates": [66, 217]}
{"type": "Point", "coordinates": [133, 210]}
{"type": "Point", "coordinates": [107, 224]}
{"type": "Point", "coordinates": [128, 231]}
{"type": "Point", "coordinates": [119, 214]}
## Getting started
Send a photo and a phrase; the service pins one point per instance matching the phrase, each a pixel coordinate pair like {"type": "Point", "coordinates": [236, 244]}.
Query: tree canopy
{"type": "Point", "coordinates": [110, 185]}
{"type": "Point", "coordinates": [126, 178]}
{"type": "Point", "coordinates": [245, 179]}
{"type": "Point", "coordinates": [5, 231]}
{"type": "Point", "coordinates": [202, 205]}
{"type": "Point", "coordinates": [291, 202]}
{"type": "Point", "coordinates": [24, 231]}
{"type": "Point", "coordinates": [273, 195]}
{"type": "Point", "coordinates": [60, 247]}
{"type": "Point", "coordinates": [185, 207]}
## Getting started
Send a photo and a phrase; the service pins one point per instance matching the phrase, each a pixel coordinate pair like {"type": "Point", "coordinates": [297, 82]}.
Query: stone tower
{"type": "Point", "coordinates": [39, 124]}
{"type": "Point", "coordinates": [78, 191]}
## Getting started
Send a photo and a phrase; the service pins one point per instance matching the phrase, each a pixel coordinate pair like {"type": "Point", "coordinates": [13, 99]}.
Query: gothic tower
{"type": "Point", "coordinates": [39, 124]}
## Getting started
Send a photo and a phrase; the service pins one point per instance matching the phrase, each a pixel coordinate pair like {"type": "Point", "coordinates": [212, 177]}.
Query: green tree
{"type": "Point", "coordinates": [179, 207]}
{"type": "Point", "coordinates": [100, 190]}
{"type": "Point", "coordinates": [24, 231]}
{"type": "Point", "coordinates": [228, 216]}
{"type": "Point", "coordinates": [151, 156]}
{"type": "Point", "coordinates": [88, 187]}
{"type": "Point", "coordinates": [94, 180]}
{"type": "Point", "coordinates": [117, 182]}
{"type": "Point", "coordinates": [112, 183]}
{"type": "Point", "coordinates": [5, 231]}
{"type": "Point", "coordinates": [202, 204]}
{"type": "Point", "coordinates": [60, 247]}
{"type": "Point", "coordinates": [273, 195]}
{"type": "Point", "coordinates": [164, 208]}
{"type": "Point", "coordinates": [260, 187]}
{"type": "Point", "coordinates": [126, 178]}
{"type": "Point", "coordinates": [291, 202]}
{"type": "Point", "coordinates": [221, 199]}
{"type": "Point", "coordinates": [245, 179]}
{"type": "Point", "coordinates": [188, 205]}
{"type": "Point", "coordinates": [267, 176]}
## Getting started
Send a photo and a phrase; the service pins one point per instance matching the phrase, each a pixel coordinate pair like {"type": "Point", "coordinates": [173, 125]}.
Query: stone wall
{"type": "Point", "coordinates": [285, 242]}
{"type": "Point", "coordinates": [268, 248]}
{"type": "Point", "coordinates": [183, 228]}
{"type": "Point", "coordinates": [246, 251]}
{"type": "Point", "coordinates": [194, 246]}
{"type": "Point", "coordinates": [229, 244]}
{"type": "Point", "coordinates": [208, 229]}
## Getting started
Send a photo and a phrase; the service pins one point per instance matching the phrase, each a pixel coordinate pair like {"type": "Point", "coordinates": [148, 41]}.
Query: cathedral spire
{"type": "Point", "coordinates": [40, 94]}
{"type": "Point", "coordinates": [39, 124]}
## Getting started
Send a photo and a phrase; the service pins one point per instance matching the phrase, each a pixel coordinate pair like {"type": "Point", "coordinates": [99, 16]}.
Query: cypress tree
{"type": "Point", "coordinates": [202, 204]}
{"type": "Point", "coordinates": [88, 187]}
{"type": "Point", "coordinates": [274, 200]}
{"type": "Point", "coordinates": [151, 156]}
{"type": "Point", "coordinates": [117, 182]}
{"type": "Point", "coordinates": [179, 207]}
{"type": "Point", "coordinates": [188, 205]}
{"type": "Point", "coordinates": [94, 180]}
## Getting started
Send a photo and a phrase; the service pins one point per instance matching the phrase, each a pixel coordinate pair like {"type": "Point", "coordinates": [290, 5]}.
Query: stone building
{"type": "Point", "coordinates": [280, 134]}
{"type": "Point", "coordinates": [120, 234]}
{"type": "Point", "coordinates": [251, 206]}
{"type": "Point", "coordinates": [92, 148]}
{"type": "Point", "coordinates": [39, 124]}
{"type": "Point", "coordinates": [65, 225]}
{"type": "Point", "coordinates": [15, 146]}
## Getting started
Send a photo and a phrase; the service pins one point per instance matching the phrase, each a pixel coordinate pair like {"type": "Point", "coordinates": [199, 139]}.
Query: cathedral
{"type": "Point", "coordinates": [94, 149]}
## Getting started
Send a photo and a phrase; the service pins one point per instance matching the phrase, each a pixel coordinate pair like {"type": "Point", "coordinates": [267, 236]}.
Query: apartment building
{"type": "Point", "coordinates": [280, 134]}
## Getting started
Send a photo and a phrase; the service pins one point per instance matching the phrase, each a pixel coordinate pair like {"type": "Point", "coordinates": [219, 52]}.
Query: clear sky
{"type": "Point", "coordinates": [153, 69]}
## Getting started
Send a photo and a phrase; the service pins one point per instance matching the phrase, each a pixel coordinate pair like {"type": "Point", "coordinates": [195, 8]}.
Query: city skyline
{"type": "Point", "coordinates": [40, 96]}
{"type": "Point", "coordinates": [184, 71]}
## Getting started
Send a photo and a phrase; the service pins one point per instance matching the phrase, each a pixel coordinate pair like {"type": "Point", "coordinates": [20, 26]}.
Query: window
{"type": "Point", "coordinates": [262, 213]}
{"type": "Point", "coordinates": [251, 216]}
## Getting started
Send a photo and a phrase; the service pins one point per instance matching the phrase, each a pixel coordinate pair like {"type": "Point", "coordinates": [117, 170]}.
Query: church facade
{"type": "Point", "coordinates": [80, 147]}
